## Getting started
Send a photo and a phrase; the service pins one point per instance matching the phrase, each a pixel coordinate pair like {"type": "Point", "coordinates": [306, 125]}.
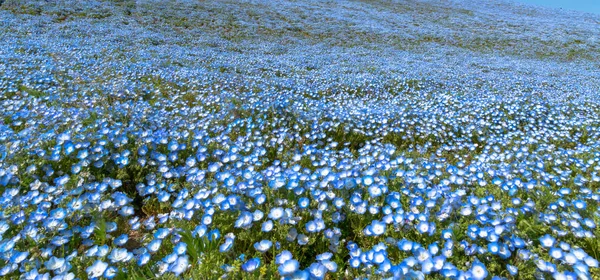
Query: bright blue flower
{"type": "Point", "coordinates": [288, 267]}
{"type": "Point", "coordinates": [180, 265]}
{"type": "Point", "coordinates": [143, 259]}
{"type": "Point", "coordinates": [478, 270]}
{"type": "Point", "coordinates": [267, 226]}
{"type": "Point", "coordinates": [303, 202]}
{"type": "Point", "coordinates": [55, 263]}
{"type": "Point", "coordinates": [154, 245]}
{"type": "Point", "coordinates": [263, 245]}
{"type": "Point", "coordinates": [251, 265]}
{"type": "Point", "coordinates": [110, 272]}
{"type": "Point", "coordinates": [119, 255]}
{"type": "Point", "coordinates": [547, 241]}
{"type": "Point", "coordinates": [97, 269]}
{"type": "Point", "coordinates": [317, 270]}
{"type": "Point", "coordinates": [121, 240]}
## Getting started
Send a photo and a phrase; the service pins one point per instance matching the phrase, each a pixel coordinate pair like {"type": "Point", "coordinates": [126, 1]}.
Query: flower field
{"type": "Point", "coordinates": [268, 139]}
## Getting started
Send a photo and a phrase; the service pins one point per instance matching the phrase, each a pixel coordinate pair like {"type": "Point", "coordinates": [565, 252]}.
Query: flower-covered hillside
{"type": "Point", "coordinates": [298, 140]}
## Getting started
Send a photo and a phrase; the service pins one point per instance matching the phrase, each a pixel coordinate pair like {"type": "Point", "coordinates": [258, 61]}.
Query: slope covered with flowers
{"type": "Point", "coordinates": [298, 140]}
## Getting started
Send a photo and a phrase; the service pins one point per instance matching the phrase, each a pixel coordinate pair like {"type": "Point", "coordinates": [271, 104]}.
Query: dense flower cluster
{"type": "Point", "coordinates": [136, 139]}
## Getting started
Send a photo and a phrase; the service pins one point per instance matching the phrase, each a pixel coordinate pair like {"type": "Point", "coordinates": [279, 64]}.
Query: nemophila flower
{"type": "Point", "coordinates": [423, 227]}
{"type": "Point", "coordinates": [556, 253]}
{"type": "Point", "coordinates": [579, 268]}
{"type": "Point", "coordinates": [405, 245]}
{"type": "Point", "coordinates": [200, 230]}
{"type": "Point", "coordinates": [33, 274]}
{"type": "Point", "coordinates": [180, 248]}
{"type": "Point", "coordinates": [579, 253]}
{"type": "Point", "coordinates": [547, 241]}
{"type": "Point", "coordinates": [244, 220]}
{"type": "Point", "coordinates": [303, 202]}
{"type": "Point", "coordinates": [251, 265]}
{"type": "Point", "coordinates": [447, 233]}
{"type": "Point", "coordinates": [317, 270]}
{"type": "Point", "coordinates": [55, 263]}
{"type": "Point", "coordinates": [97, 269]}
{"type": "Point", "coordinates": [302, 239]}
{"type": "Point", "coordinates": [60, 240]}
{"type": "Point", "coordinates": [276, 213]}
{"type": "Point", "coordinates": [263, 245]}
{"type": "Point", "coordinates": [257, 215]}
{"type": "Point", "coordinates": [267, 226]}
{"type": "Point", "coordinates": [227, 245]}
{"type": "Point", "coordinates": [260, 199]}
{"type": "Point", "coordinates": [422, 254]}
{"type": "Point", "coordinates": [438, 263]}
{"type": "Point", "coordinates": [288, 267]}
{"type": "Point", "coordinates": [299, 275]}
{"type": "Point", "coordinates": [143, 259]}
{"type": "Point", "coordinates": [283, 256]}
{"type": "Point", "coordinates": [180, 265]}
{"type": "Point", "coordinates": [18, 257]}
{"type": "Point", "coordinates": [378, 257]}
{"type": "Point", "coordinates": [214, 234]}
{"type": "Point", "coordinates": [377, 228]}
{"type": "Point", "coordinates": [478, 270]}
{"type": "Point", "coordinates": [570, 258]}
{"type": "Point", "coordinates": [110, 272]}
{"type": "Point", "coordinates": [119, 255]}
{"type": "Point", "coordinates": [512, 270]}
{"type": "Point", "coordinates": [590, 261]}
{"type": "Point", "coordinates": [111, 226]}
{"type": "Point", "coordinates": [311, 226]}
{"type": "Point", "coordinates": [8, 269]}
{"type": "Point", "coordinates": [121, 240]}
{"type": "Point", "coordinates": [324, 256]}
{"type": "Point", "coordinates": [161, 233]}
{"type": "Point", "coordinates": [504, 251]}
{"type": "Point", "coordinates": [154, 245]}
{"type": "Point", "coordinates": [331, 265]}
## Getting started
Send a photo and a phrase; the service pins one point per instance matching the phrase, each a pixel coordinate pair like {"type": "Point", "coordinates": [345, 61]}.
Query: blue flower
{"type": "Point", "coordinates": [251, 265]}
{"type": "Point", "coordinates": [227, 245]}
{"type": "Point", "coordinates": [493, 248]}
{"type": "Point", "coordinates": [154, 245]}
{"type": "Point", "coordinates": [283, 256]}
{"type": "Point", "coordinates": [119, 255]}
{"type": "Point", "coordinates": [143, 259]}
{"type": "Point", "coordinates": [267, 226]}
{"type": "Point", "coordinates": [180, 265]}
{"type": "Point", "coordinates": [263, 245]}
{"type": "Point", "coordinates": [288, 267]}
{"type": "Point", "coordinates": [180, 248]}
{"type": "Point", "coordinates": [276, 213]}
{"type": "Point", "coordinates": [299, 275]}
{"type": "Point", "coordinates": [423, 227]}
{"type": "Point", "coordinates": [317, 270]}
{"type": "Point", "coordinates": [110, 272]}
{"type": "Point", "coordinates": [324, 256]}
{"type": "Point", "coordinates": [547, 241]}
{"type": "Point", "coordinates": [303, 202]}
{"type": "Point", "coordinates": [377, 228]}
{"type": "Point", "coordinates": [478, 270]}
{"type": "Point", "coordinates": [512, 270]}
{"type": "Point", "coordinates": [244, 220]}
{"type": "Point", "coordinates": [55, 263]}
{"type": "Point", "coordinates": [18, 257]}
{"type": "Point", "coordinates": [200, 230]}
{"type": "Point", "coordinates": [121, 240]}
{"type": "Point", "coordinates": [97, 269]}
{"type": "Point", "coordinates": [331, 265]}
